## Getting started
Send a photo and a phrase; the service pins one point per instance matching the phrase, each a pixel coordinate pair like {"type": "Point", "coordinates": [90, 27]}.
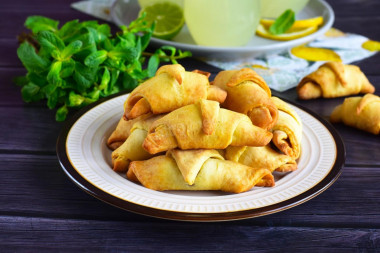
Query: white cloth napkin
{"type": "Point", "coordinates": [281, 71]}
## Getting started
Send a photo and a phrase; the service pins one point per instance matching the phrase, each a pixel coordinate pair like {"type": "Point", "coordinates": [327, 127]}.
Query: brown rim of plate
{"type": "Point", "coordinates": [88, 187]}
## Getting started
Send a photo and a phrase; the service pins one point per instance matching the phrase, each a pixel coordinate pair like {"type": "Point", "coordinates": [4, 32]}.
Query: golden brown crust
{"type": "Point", "coordinates": [287, 132]}
{"type": "Point", "coordinates": [261, 157]}
{"type": "Point", "coordinates": [184, 128]}
{"type": "Point", "coordinates": [122, 131]}
{"type": "Point", "coordinates": [131, 149]}
{"type": "Point", "coordinates": [359, 112]}
{"type": "Point", "coordinates": [248, 93]}
{"type": "Point", "coordinates": [162, 173]}
{"type": "Point", "coordinates": [334, 79]}
{"type": "Point", "coordinates": [175, 70]}
{"type": "Point", "coordinates": [172, 87]}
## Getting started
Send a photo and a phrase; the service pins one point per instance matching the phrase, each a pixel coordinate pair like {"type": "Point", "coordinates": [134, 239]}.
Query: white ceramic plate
{"type": "Point", "coordinates": [124, 11]}
{"type": "Point", "coordinates": [84, 156]}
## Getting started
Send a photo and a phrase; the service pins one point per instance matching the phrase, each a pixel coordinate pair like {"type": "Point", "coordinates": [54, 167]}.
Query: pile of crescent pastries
{"type": "Point", "coordinates": [179, 131]}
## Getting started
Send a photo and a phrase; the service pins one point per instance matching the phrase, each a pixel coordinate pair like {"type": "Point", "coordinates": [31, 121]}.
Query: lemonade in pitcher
{"type": "Point", "coordinates": [222, 23]}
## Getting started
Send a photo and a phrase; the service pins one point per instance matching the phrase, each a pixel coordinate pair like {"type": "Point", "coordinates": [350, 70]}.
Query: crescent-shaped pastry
{"type": "Point", "coordinates": [204, 125]}
{"type": "Point", "coordinates": [261, 157]}
{"type": "Point", "coordinates": [131, 149]}
{"type": "Point", "coordinates": [207, 171]}
{"type": "Point", "coordinates": [122, 131]}
{"type": "Point", "coordinates": [359, 112]}
{"type": "Point", "coordinates": [334, 79]}
{"type": "Point", "coordinates": [248, 93]}
{"type": "Point", "coordinates": [287, 132]}
{"type": "Point", "coordinates": [172, 87]}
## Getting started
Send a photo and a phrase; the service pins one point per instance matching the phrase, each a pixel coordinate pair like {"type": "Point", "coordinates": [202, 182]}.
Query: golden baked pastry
{"type": "Point", "coordinates": [334, 79]}
{"type": "Point", "coordinates": [203, 125]}
{"type": "Point", "coordinates": [172, 87]}
{"type": "Point", "coordinates": [287, 132]}
{"type": "Point", "coordinates": [197, 170]}
{"type": "Point", "coordinates": [261, 157]}
{"type": "Point", "coordinates": [131, 149]}
{"type": "Point", "coordinates": [248, 93]}
{"type": "Point", "coordinates": [359, 112]}
{"type": "Point", "coordinates": [122, 131]}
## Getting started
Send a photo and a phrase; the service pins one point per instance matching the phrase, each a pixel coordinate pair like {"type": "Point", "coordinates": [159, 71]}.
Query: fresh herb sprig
{"type": "Point", "coordinates": [81, 62]}
{"type": "Point", "coordinates": [283, 23]}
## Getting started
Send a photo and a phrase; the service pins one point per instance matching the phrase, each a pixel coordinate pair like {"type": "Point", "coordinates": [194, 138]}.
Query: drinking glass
{"type": "Point", "coordinates": [222, 23]}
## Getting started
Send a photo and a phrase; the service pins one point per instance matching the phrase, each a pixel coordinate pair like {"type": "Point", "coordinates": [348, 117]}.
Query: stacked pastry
{"type": "Point", "coordinates": [181, 132]}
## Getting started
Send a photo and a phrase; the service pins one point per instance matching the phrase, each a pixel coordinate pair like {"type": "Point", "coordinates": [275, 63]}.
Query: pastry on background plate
{"type": "Point", "coordinates": [359, 112]}
{"type": "Point", "coordinates": [334, 79]}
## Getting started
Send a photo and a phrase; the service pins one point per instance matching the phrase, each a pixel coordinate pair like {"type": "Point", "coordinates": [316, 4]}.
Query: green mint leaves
{"type": "Point", "coordinates": [81, 62]}
{"type": "Point", "coordinates": [283, 22]}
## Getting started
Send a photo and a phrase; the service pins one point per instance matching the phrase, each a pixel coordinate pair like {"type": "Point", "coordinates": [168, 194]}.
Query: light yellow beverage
{"type": "Point", "coordinates": [274, 8]}
{"type": "Point", "coordinates": [222, 23]}
{"type": "Point", "coordinates": [145, 3]}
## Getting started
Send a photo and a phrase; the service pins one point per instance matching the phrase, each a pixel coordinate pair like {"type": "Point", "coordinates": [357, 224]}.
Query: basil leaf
{"type": "Point", "coordinates": [50, 41]}
{"type": "Point", "coordinates": [95, 58]}
{"type": "Point", "coordinates": [71, 49]}
{"type": "Point", "coordinates": [53, 76]}
{"type": "Point", "coordinates": [61, 113]}
{"type": "Point", "coordinates": [31, 60]}
{"type": "Point", "coordinates": [106, 77]}
{"type": "Point", "coordinates": [52, 100]}
{"type": "Point", "coordinates": [75, 99]}
{"type": "Point", "coordinates": [39, 23]}
{"type": "Point", "coordinates": [67, 29]}
{"type": "Point", "coordinates": [283, 22]}
{"type": "Point", "coordinates": [84, 76]}
{"type": "Point", "coordinates": [153, 63]}
{"type": "Point", "coordinates": [67, 68]}
{"type": "Point", "coordinates": [29, 91]}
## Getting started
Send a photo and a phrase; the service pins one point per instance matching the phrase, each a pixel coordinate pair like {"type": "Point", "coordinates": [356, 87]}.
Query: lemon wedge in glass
{"type": "Point", "coordinates": [168, 16]}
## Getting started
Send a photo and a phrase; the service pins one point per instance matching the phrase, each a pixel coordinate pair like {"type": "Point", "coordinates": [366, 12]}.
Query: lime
{"type": "Point", "coordinates": [168, 17]}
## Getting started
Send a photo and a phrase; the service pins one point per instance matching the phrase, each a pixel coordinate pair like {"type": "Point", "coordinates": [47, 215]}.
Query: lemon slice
{"type": "Point", "coordinates": [168, 17]}
{"type": "Point", "coordinates": [303, 23]}
{"type": "Point", "coordinates": [291, 34]}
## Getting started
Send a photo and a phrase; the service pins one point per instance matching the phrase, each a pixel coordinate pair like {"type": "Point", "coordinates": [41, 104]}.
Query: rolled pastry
{"type": "Point", "coordinates": [287, 132]}
{"type": "Point", "coordinates": [122, 131]}
{"type": "Point", "coordinates": [248, 93]}
{"type": "Point", "coordinates": [131, 149]}
{"type": "Point", "coordinates": [359, 112]}
{"type": "Point", "coordinates": [334, 79]}
{"type": "Point", "coordinates": [208, 171]}
{"type": "Point", "coordinates": [261, 157]}
{"type": "Point", "coordinates": [172, 87]}
{"type": "Point", "coordinates": [203, 125]}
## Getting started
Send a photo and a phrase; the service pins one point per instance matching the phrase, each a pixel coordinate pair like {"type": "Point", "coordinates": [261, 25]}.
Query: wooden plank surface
{"type": "Point", "coordinates": [41, 210]}
{"type": "Point", "coordinates": [93, 235]}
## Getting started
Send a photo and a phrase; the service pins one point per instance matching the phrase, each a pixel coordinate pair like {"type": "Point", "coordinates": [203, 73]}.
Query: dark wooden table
{"type": "Point", "coordinates": [42, 210]}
